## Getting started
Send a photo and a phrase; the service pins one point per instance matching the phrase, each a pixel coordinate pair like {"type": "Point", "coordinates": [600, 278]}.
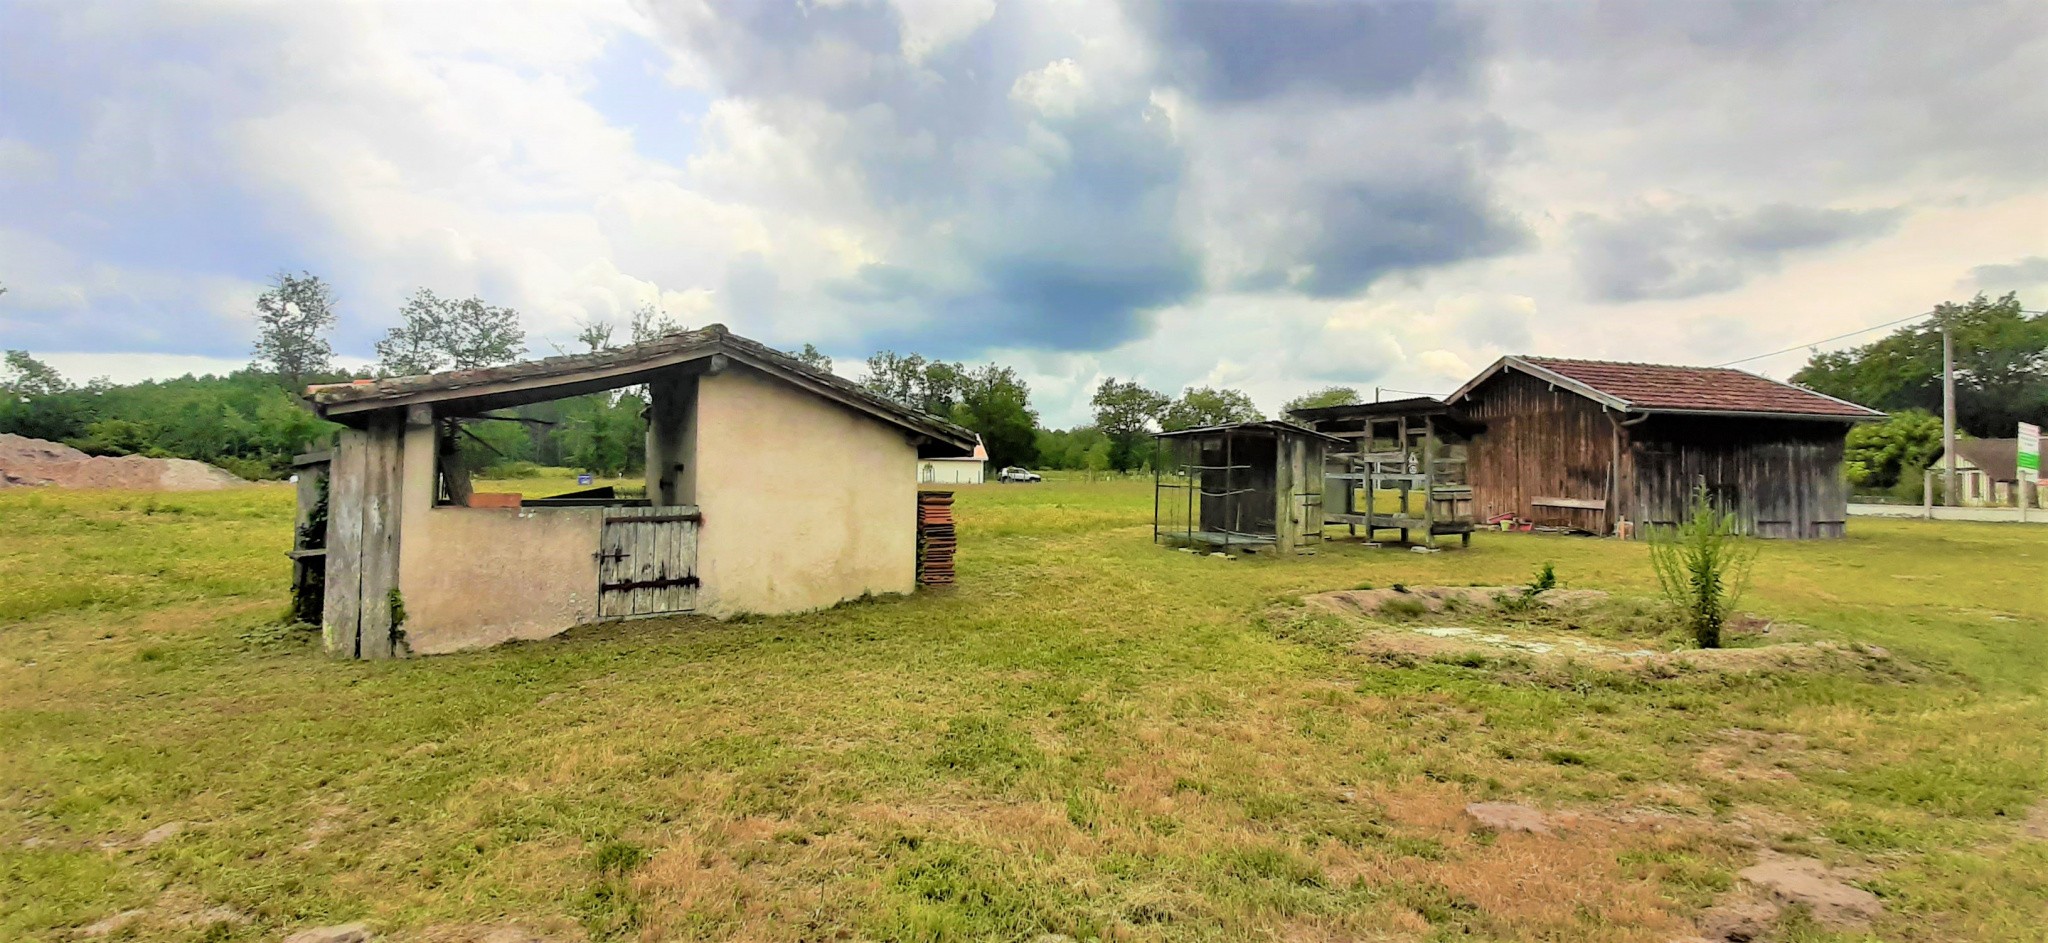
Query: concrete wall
{"type": "Point", "coordinates": [1940, 513]}
{"type": "Point", "coordinates": [951, 471]}
{"type": "Point", "coordinates": [806, 503]}
{"type": "Point", "coordinates": [472, 577]}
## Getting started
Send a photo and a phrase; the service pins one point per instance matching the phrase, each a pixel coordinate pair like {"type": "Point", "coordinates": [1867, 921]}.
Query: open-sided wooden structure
{"type": "Point", "coordinates": [413, 561]}
{"type": "Point", "coordinates": [1248, 486]}
{"type": "Point", "coordinates": [1403, 469]}
{"type": "Point", "coordinates": [1618, 447]}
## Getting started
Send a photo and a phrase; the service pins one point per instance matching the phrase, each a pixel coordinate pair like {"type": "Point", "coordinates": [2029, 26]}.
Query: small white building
{"type": "Point", "coordinates": [965, 470]}
{"type": "Point", "coordinates": [1987, 472]}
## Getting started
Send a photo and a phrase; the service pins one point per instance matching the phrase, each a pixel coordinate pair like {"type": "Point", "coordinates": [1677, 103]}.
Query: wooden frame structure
{"type": "Point", "coordinates": [1241, 487]}
{"type": "Point", "coordinates": [1404, 449]}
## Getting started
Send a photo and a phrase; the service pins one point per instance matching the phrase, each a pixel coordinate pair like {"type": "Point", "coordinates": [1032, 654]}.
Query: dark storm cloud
{"type": "Point", "coordinates": [1687, 251]}
{"type": "Point", "coordinates": [1061, 246]}
{"type": "Point", "coordinates": [1243, 50]}
{"type": "Point", "coordinates": [2009, 276]}
{"type": "Point", "coordinates": [1370, 231]}
{"type": "Point", "coordinates": [1369, 130]}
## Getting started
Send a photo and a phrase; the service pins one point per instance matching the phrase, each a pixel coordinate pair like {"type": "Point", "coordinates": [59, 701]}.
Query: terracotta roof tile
{"type": "Point", "coordinates": [1652, 386]}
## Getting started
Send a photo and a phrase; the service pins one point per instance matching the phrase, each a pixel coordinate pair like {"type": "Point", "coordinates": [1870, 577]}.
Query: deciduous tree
{"type": "Point", "coordinates": [1203, 406]}
{"type": "Point", "coordinates": [446, 333]}
{"type": "Point", "coordinates": [2001, 355]}
{"type": "Point", "coordinates": [1327, 396]}
{"type": "Point", "coordinates": [293, 318]}
{"type": "Point", "coordinates": [1125, 411]}
{"type": "Point", "coordinates": [996, 404]}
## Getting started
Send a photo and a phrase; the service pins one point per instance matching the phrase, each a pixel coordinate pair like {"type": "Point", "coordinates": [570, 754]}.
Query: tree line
{"type": "Point", "coordinates": [251, 421]}
{"type": "Point", "coordinates": [2001, 370]}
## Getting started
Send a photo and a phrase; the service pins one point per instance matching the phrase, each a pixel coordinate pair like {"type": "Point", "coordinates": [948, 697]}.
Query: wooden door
{"type": "Point", "coordinates": [647, 562]}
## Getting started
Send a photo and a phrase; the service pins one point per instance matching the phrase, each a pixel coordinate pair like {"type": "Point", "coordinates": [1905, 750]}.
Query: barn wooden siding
{"type": "Point", "coordinates": [1538, 442]}
{"type": "Point", "coordinates": [1779, 478]}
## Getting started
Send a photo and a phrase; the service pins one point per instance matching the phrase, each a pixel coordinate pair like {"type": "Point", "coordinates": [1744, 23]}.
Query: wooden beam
{"type": "Point", "coordinates": [382, 507]}
{"type": "Point", "coordinates": [341, 614]}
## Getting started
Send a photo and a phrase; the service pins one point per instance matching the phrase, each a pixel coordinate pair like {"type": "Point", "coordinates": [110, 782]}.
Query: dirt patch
{"type": "Point", "coordinates": [1740, 916]}
{"type": "Point", "coordinates": [1372, 602]}
{"type": "Point", "coordinates": [1808, 883]}
{"type": "Point", "coordinates": [2036, 825]}
{"type": "Point", "coordinates": [1508, 817]}
{"type": "Point", "coordinates": [35, 462]}
{"type": "Point", "coordinates": [556, 932]}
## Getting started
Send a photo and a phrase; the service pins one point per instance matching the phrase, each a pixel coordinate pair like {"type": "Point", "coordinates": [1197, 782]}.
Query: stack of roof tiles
{"type": "Point", "coordinates": [936, 538]}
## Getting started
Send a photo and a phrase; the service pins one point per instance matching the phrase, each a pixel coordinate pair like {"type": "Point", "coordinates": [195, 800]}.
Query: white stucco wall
{"type": "Point", "coordinates": [806, 503]}
{"type": "Point", "coordinates": [473, 577]}
{"type": "Point", "coordinates": [951, 471]}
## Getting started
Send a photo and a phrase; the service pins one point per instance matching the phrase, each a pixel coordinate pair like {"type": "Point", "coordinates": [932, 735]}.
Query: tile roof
{"type": "Point", "coordinates": [1999, 459]}
{"type": "Point", "coordinates": [1665, 388]}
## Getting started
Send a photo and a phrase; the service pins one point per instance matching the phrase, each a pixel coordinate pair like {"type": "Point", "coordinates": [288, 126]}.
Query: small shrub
{"type": "Point", "coordinates": [1404, 608]}
{"type": "Point", "coordinates": [1702, 567]}
{"type": "Point", "coordinates": [1546, 579]}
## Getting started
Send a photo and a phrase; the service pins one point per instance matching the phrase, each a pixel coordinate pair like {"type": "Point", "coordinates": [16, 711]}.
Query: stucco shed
{"type": "Point", "coordinates": [411, 566]}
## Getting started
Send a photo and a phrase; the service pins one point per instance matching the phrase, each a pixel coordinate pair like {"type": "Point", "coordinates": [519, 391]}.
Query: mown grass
{"type": "Point", "coordinates": [1089, 736]}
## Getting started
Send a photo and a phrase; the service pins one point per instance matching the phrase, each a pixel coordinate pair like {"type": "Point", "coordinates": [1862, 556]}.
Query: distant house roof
{"type": "Point", "coordinates": [533, 381]}
{"type": "Point", "coordinates": [1271, 427]}
{"type": "Point", "coordinates": [1999, 459]}
{"type": "Point", "coordinates": [1385, 409]}
{"type": "Point", "coordinates": [1662, 388]}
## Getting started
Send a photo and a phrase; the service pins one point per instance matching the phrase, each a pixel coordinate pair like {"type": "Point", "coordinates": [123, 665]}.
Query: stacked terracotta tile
{"type": "Point", "coordinates": [936, 538]}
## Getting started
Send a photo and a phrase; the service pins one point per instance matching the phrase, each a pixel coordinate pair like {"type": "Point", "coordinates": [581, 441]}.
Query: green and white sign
{"type": "Point", "coordinates": [2030, 452]}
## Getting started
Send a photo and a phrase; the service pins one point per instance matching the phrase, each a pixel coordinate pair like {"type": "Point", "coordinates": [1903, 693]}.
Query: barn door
{"type": "Point", "coordinates": [647, 562]}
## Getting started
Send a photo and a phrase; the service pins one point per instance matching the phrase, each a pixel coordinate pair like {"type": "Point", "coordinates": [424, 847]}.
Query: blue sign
{"type": "Point", "coordinates": [585, 479]}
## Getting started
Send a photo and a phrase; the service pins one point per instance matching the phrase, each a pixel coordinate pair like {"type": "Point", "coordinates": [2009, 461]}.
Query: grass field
{"type": "Point", "coordinates": [1090, 736]}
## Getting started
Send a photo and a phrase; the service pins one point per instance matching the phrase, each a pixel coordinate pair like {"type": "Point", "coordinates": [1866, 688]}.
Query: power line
{"type": "Point", "coordinates": [1841, 336]}
{"type": "Point", "coordinates": [1827, 339]}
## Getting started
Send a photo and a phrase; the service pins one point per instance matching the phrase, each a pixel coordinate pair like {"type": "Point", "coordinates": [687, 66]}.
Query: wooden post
{"type": "Point", "coordinates": [382, 508]}
{"type": "Point", "coordinates": [1948, 415]}
{"type": "Point", "coordinates": [1429, 481]}
{"type": "Point", "coordinates": [1230, 500]}
{"type": "Point", "coordinates": [341, 612]}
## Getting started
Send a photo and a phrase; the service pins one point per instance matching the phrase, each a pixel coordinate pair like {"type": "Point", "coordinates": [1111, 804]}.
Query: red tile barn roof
{"type": "Point", "coordinates": [1663, 388]}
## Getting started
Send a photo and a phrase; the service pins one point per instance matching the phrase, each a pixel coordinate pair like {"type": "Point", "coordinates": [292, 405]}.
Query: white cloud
{"type": "Point", "coordinates": [1056, 90]}
{"type": "Point", "coordinates": [1083, 189]}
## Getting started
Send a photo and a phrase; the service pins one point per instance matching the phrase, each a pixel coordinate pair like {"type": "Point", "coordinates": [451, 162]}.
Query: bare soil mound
{"type": "Point", "coordinates": [35, 462]}
{"type": "Point", "coordinates": [1439, 598]}
{"type": "Point", "coordinates": [1407, 624]}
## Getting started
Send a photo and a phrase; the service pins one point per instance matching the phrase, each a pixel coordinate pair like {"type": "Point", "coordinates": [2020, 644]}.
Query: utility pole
{"type": "Point", "coordinates": [1948, 414]}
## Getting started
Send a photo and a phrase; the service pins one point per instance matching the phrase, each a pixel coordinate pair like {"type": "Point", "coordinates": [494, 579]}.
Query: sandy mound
{"type": "Point", "coordinates": [1427, 642]}
{"type": "Point", "coordinates": [26, 461]}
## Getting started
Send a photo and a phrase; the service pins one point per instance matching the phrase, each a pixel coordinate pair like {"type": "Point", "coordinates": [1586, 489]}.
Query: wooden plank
{"type": "Point", "coordinates": [383, 475]}
{"type": "Point", "coordinates": [688, 602]}
{"type": "Point", "coordinates": [342, 610]}
{"type": "Point", "coordinates": [1585, 504]}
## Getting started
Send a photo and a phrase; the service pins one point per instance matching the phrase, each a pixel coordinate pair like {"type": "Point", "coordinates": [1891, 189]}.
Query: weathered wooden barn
{"type": "Point", "coordinates": [414, 561]}
{"type": "Point", "coordinates": [1591, 444]}
{"type": "Point", "coordinates": [1247, 486]}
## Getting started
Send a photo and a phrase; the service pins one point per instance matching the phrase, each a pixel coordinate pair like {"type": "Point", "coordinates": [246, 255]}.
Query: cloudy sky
{"type": "Point", "coordinates": [1266, 196]}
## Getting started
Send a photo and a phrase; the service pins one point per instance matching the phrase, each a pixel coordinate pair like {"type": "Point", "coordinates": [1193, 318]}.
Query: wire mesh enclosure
{"type": "Point", "coordinates": [1242, 487]}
